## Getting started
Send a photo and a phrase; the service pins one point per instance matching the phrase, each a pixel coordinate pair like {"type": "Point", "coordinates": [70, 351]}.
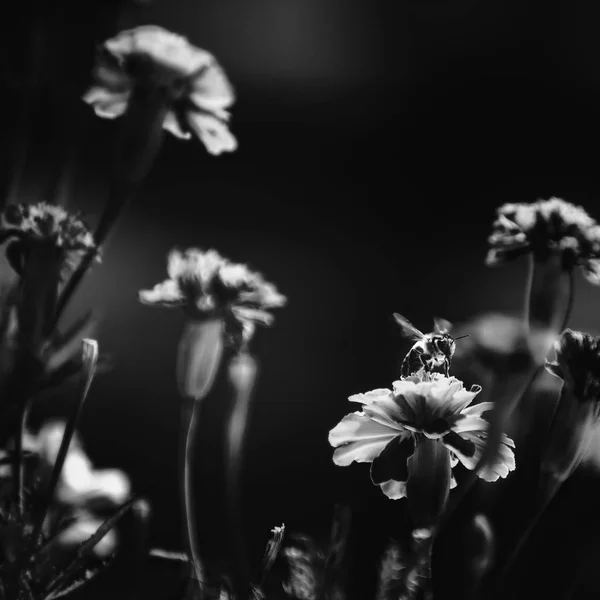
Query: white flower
{"type": "Point", "coordinates": [193, 84]}
{"type": "Point", "coordinates": [425, 412]}
{"type": "Point", "coordinates": [46, 223]}
{"type": "Point", "coordinates": [545, 226]}
{"type": "Point", "coordinates": [207, 285]}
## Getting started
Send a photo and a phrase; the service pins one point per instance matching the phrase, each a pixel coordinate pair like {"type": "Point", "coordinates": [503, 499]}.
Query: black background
{"type": "Point", "coordinates": [375, 141]}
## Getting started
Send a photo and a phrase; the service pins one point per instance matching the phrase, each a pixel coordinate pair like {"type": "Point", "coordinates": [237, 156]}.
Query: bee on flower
{"type": "Point", "coordinates": [414, 434]}
{"type": "Point", "coordinates": [431, 351]}
{"type": "Point", "coordinates": [543, 227]}
{"type": "Point", "coordinates": [190, 82]}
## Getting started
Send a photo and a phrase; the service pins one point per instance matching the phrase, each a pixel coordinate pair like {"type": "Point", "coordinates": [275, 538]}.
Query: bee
{"type": "Point", "coordinates": [431, 351]}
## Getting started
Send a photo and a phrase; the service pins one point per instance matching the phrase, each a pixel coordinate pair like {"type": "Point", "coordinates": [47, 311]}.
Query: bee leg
{"type": "Point", "coordinates": [424, 357]}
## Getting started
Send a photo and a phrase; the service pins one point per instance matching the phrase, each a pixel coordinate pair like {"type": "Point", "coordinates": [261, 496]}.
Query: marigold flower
{"type": "Point", "coordinates": [46, 224]}
{"type": "Point", "coordinates": [544, 227]}
{"type": "Point", "coordinates": [81, 493]}
{"type": "Point", "coordinates": [578, 365]}
{"type": "Point", "coordinates": [206, 286]}
{"type": "Point", "coordinates": [420, 426]}
{"type": "Point", "coordinates": [193, 84]}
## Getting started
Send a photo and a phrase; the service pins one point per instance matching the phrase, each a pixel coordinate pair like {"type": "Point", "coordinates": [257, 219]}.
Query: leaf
{"type": "Point", "coordinates": [78, 583]}
{"type": "Point", "coordinates": [68, 345]}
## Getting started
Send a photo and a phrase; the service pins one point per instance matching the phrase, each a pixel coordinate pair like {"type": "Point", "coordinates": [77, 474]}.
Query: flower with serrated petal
{"type": "Point", "coordinates": [544, 227]}
{"type": "Point", "coordinates": [206, 286]}
{"type": "Point", "coordinates": [192, 84]}
{"type": "Point", "coordinates": [47, 226]}
{"type": "Point", "coordinates": [578, 412]}
{"type": "Point", "coordinates": [418, 431]}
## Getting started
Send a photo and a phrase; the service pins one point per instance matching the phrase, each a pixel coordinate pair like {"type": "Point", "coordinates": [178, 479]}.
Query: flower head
{"type": "Point", "coordinates": [544, 226]}
{"type": "Point", "coordinates": [426, 408]}
{"type": "Point", "coordinates": [48, 223]}
{"type": "Point", "coordinates": [206, 285]}
{"type": "Point", "coordinates": [44, 226]}
{"type": "Point", "coordinates": [578, 364]}
{"type": "Point", "coordinates": [82, 494]}
{"type": "Point", "coordinates": [193, 84]}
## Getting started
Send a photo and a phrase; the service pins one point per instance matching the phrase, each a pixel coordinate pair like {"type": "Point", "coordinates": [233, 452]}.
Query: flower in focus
{"type": "Point", "coordinates": [46, 225]}
{"type": "Point", "coordinates": [416, 431]}
{"type": "Point", "coordinates": [192, 83]}
{"type": "Point", "coordinates": [545, 226]}
{"type": "Point", "coordinates": [206, 286]}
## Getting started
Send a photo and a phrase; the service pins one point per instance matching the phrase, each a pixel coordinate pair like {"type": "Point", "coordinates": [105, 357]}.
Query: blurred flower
{"type": "Point", "coordinates": [206, 286]}
{"type": "Point", "coordinates": [80, 484]}
{"type": "Point", "coordinates": [391, 572]}
{"type": "Point", "coordinates": [82, 494]}
{"type": "Point", "coordinates": [190, 80]}
{"type": "Point", "coordinates": [48, 225]}
{"type": "Point", "coordinates": [501, 341]}
{"type": "Point", "coordinates": [547, 226]}
{"type": "Point", "coordinates": [578, 365]}
{"type": "Point", "coordinates": [415, 434]}
{"type": "Point", "coordinates": [304, 561]}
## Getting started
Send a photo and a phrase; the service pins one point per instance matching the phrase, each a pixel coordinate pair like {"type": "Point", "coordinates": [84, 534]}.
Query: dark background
{"type": "Point", "coordinates": [375, 141]}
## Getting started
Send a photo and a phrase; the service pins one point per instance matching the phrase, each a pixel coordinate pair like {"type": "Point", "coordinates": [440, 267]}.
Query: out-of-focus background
{"type": "Point", "coordinates": [375, 140]}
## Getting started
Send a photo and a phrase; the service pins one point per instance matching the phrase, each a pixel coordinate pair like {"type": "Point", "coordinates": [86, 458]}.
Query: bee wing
{"type": "Point", "coordinates": [409, 331]}
{"type": "Point", "coordinates": [441, 325]}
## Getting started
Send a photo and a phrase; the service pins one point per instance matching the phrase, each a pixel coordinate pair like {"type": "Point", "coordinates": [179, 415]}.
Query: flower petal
{"type": "Point", "coordinates": [368, 397]}
{"type": "Point", "coordinates": [394, 490]}
{"type": "Point", "coordinates": [213, 133]}
{"type": "Point", "coordinates": [174, 126]}
{"type": "Point", "coordinates": [591, 271]}
{"type": "Point", "coordinates": [211, 91]}
{"type": "Point", "coordinates": [392, 461]}
{"type": "Point", "coordinates": [469, 446]}
{"type": "Point", "coordinates": [358, 438]}
{"type": "Point", "coordinates": [167, 293]}
{"type": "Point", "coordinates": [107, 104]}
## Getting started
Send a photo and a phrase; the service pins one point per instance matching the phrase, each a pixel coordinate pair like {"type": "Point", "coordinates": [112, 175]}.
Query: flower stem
{"type": "Point", "coordinates": [242, 374]}
{"type": "Point", "coordinates": [137, 147]}
{"type": "Point", "coordinates": [19, 458]}
{"type": "Point", "coordinates": [189, 424]}
{"type": "Point", "coordinates": [542, 506]}
{"type": "Point", "coordinates": [141, 511]}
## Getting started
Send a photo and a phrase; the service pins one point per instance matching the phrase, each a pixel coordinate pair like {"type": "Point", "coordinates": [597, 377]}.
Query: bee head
{"type": "Point", "coordinates": [444, 344]}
